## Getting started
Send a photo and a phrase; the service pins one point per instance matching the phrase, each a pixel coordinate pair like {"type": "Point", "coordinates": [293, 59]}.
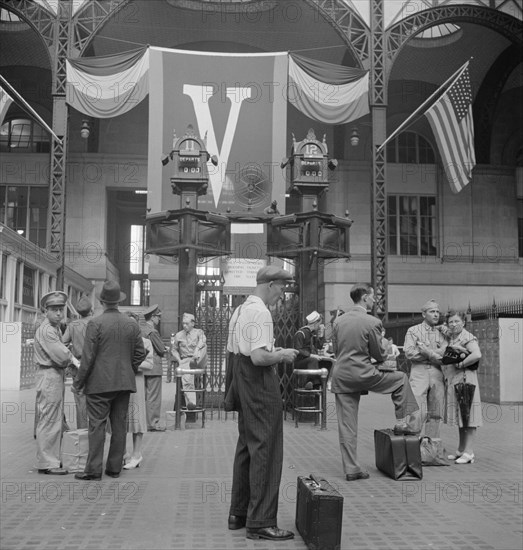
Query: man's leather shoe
{"type": "Point", "coordinates": [88, 477]}
{"type": "Point", "coordinates": [157, 429]}
{"type": "Point", "coordinates": [236, 522]}
{"type": "Point", "coordinates": [269, 533]}
{"type": "Point", "coordinates": [403, 429]}
{"type": "Point", "coordinates": [359, 475]}
{"type": "Point", "coordinates": [53, 471]}
{"type": "Point", "coordinates": [112, 474]}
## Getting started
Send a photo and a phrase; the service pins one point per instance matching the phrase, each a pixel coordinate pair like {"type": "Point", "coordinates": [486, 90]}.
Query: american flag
{"type": "Point", "coordinates": [451, 121]}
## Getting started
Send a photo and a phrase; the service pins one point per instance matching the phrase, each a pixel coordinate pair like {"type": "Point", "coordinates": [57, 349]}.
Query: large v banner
{"type": "Point", "coordinates": [237, 102]}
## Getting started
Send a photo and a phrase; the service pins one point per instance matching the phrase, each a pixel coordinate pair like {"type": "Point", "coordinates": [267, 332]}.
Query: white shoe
{"type": "Point", "coordinates": [133, 463]}
{"type": "Point", "coordinates": [465, 458]}
{"type": "Point", "coordinates": [455, 456]}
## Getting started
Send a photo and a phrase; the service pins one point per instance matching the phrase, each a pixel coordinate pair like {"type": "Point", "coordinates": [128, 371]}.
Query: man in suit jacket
{"type": "Point", "coordinates": [112, 352]}
{"type": "Point", "coordinates": [74, 336]}
{"type": "Point", "coordinates": [356, 341]}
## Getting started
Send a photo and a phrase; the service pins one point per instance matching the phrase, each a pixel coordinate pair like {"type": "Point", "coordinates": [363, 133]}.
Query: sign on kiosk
{"type": "Point", "coordinates": [240, 275]}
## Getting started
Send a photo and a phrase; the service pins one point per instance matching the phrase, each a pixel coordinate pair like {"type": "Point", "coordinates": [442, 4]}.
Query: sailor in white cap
{"type": "Point", "coordinates": [306, 342]}
{"type": "Point", "coordinates": [52, 357]}
{"type": "Point", "coordinates": [189, 350]}
{"type": "Point", "coordinates": [424, 347]}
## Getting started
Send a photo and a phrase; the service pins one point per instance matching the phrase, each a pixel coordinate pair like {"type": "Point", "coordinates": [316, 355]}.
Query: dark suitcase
{"type": "Point", "coordinates": [319, 513]}
{"type": "Point", "coordinates": [397, 455]}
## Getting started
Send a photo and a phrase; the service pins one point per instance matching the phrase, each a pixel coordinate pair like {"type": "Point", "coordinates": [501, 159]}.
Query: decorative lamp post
{"type": "Point", "coordinates": [188, 233]}
{"type": "Point", "coordinates": [310, 237]}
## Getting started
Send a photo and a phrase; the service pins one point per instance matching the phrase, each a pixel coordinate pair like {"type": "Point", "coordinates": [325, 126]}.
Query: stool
{"type": "Point", "coordinates": [179, 372]}
{"type": "Point", "coordinates": [320, 395]}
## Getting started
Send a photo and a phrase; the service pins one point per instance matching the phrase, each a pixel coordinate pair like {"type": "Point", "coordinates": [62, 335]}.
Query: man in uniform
{"type": "Point", "coordinates": [153, 377]}
{"type": "Point", "coordinates": [52, 357]}
{"type": "Point", "coordinates": [189, 350]}
{"type": "Point", "coordinates": [112, 352]}
{"type": "Point", "coordinates": [75, 336]}
{"type": "Point", "coordinates": [424, 347]}
{"type": "Point", "coordinates": [259, 451]}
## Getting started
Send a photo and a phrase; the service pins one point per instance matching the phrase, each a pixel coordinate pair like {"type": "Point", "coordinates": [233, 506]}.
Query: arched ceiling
{"type": "Point", "coordinates": [434, 63]}
{"type": "Point", "coordinates": [280, 28]}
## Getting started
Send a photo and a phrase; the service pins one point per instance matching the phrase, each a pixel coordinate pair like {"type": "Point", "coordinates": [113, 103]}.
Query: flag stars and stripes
{"type": "Point", "coordinates": [461, 96]}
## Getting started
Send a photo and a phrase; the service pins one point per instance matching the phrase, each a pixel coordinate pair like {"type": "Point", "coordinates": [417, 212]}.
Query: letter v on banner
{"type": "Point", "coordinates": [200, 98]}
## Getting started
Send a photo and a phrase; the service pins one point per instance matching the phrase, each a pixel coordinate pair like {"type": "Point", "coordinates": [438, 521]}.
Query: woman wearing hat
{"type": "Point", "coordinates": [136, 415]}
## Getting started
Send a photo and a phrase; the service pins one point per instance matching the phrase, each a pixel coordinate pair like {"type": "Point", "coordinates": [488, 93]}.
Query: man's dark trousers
{"type": "Point", "coordinates": [100, 407]}
{"type": "Point", "coordinates": [259, 452]}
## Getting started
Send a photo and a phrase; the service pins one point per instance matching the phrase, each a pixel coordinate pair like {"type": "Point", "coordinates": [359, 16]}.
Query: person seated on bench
{"type": "Point", "coordinates": [307, 342]}
{"type": "Point", "coordinates": [189, 351]}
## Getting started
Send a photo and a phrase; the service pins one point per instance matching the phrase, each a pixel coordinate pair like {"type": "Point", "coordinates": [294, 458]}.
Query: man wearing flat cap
{"type": "Point", "coordinates": [153, 377]}
{"type": "Point", "coordinates": [424, 347]}
{"type": "Point", "coordinates": [113, 350]}
{"type": "Point", "coordinates": [306, 341]}
{"type": "Point", "coordinates": [52, 357]}
{"type": "Point", "coordinates": [189, 351]}
{"type": "Point", "coordinates": [255, 390]}
{"type": "Point", "coordinates": [74, 337]}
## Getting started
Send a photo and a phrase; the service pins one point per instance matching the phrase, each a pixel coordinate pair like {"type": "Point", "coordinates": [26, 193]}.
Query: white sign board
{"type": "Point", "coordinates": [240, 275]}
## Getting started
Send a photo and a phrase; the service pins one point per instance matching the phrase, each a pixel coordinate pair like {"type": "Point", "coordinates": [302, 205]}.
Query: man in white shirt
{"type": "Point", "coordinates": [259, 451]}
{"type": "Point", "coordinates": [424, 347]}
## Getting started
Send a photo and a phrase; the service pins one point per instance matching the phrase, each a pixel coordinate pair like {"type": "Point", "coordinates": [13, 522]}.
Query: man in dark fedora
{"type": "Point", "coordinates": [51, 357]}
{"type": "Point", "coordinates": [112, 352]}
{"type": "Point", "coordinates": [153, 377]}
{"type": "Point", "coordinates": [74, 336]}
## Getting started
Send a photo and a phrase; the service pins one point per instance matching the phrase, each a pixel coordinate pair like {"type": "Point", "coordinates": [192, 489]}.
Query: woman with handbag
{"type": "Point", "coordinates": [461, 361]}
{"type": "Point", "coordinates": [136, 414]}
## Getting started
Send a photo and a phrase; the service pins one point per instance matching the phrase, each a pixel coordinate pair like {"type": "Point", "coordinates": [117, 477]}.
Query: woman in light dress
{"type": "Point", "coordinates": [136, 414]}
{"type": "Point", "coordinates": [462, 339]}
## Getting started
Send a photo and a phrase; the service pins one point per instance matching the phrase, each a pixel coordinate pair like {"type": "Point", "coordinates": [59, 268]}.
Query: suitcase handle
{"type": "Point", "coordinates": [316, 480]}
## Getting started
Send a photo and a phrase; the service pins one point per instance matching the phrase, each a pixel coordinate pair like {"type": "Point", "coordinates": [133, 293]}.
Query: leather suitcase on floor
{"type": "Point", "coordinates": [319, 513]}
{"type": "Point", "coordinates": [397, 455]}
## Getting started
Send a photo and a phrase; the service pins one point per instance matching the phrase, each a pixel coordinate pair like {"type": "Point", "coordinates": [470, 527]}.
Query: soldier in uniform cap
{"type": "Point", "coordinates": [153, 377]}
{"type": "Point", "coordinates": [255, 391]}
{"type": "Point", "coordinates": [189, 350]}
{"type": "Point", "coordinates": [52, 357]}
{"type": "Point", "coordinates": [424, 347]}
{"type": "Point", "coordinates": [74, 337]}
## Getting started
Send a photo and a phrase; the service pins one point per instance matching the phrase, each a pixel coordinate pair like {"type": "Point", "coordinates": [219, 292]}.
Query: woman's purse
{"type": "Point", "coordinates": [454, 355]}
{"type": "Point", "coordinates": [148, 362]}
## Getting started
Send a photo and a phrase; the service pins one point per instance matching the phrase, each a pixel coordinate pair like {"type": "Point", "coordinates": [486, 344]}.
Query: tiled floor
{"type": "Point", "coordinates": [179, 497]}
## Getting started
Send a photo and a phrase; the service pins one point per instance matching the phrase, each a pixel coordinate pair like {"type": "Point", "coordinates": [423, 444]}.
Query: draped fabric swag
{"type": "Point", "coordinates": [104, 87]}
